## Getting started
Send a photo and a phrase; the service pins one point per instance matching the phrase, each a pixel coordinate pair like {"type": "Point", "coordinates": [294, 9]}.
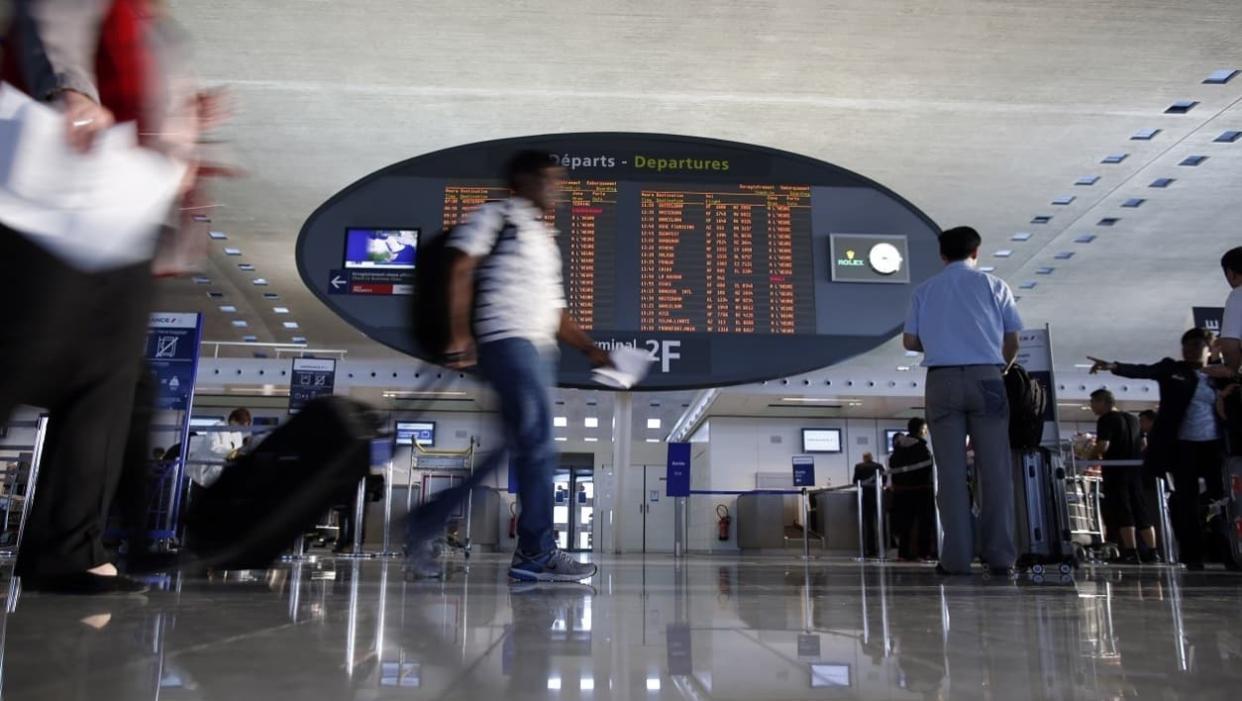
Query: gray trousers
{"type": "Point", "coordinates": [961, 402]}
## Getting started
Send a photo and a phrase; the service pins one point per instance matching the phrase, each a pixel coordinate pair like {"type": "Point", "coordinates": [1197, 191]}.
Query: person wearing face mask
{"type": "Point", "coordinates": [1186, 439]}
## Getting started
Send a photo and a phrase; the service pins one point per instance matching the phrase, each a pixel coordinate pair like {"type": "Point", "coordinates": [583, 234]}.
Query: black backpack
{"type": "Point", "coordinates": [1027, 402]}
{"type": "Point", "coordinates": [431, 327]}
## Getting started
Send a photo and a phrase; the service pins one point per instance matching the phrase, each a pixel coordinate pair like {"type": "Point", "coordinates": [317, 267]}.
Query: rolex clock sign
{"type": "Point", "coordinates": [870, 258]}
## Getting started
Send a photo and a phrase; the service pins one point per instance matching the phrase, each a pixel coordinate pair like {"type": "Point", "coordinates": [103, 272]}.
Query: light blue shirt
{"type": "Point", "coordinates": [961, 317]}
{"type": "Point", "coordinates": [1200, 422]}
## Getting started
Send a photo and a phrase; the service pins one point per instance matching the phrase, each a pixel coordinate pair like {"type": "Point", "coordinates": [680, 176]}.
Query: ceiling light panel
{"type": "Point", "coordinates": [1021, 236]}
{"type": "Point", "coordinates": [1192, 161]}
{"type": "Point", "coordinates": [1144, 135]}
{"type": "Point", "coordinates": [1162, 182]}
{"type": "Point", "coordinates": [217, 235]}
{"type": "Point", "coordinates": [591, 422]}
{"type": "Point", "coordinates": [1220, 76]}
{"type": "Point", "coordinates": [1064, 200]}
{"type": "Point", "coordinates": [1228, 137]}
{"type": "Point", "coordinates": [232, 252]}
{"type": "Point", "coordinates": [1085, 238]}
{"type": "Point", "coordinates": [1109, 221]}
{"type": "Point", "coordinates": [1115, 158]}
{"type": "Point", "coordinates": [1041, 219]}
{"type": "Point", "coordinates": [1181, 107]}
{"type": "Point", "coordinates": [560, 421]}
{"type": "Point", "coordinates": [1133, 202]}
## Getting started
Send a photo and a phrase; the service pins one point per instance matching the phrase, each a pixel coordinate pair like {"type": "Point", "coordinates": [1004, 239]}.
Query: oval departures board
{"type": "Point", "coordinates": [730, 263]}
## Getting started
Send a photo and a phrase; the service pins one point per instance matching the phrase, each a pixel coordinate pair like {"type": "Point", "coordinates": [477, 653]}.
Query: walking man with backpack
{"type": "Point", "coordinates": [966, 324]}
{"type": "Point", "coordinates": [506, 312]}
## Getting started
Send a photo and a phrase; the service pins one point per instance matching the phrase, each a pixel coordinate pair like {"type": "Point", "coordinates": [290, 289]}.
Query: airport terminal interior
{"type": "Point", "coordinates": [753, 190]}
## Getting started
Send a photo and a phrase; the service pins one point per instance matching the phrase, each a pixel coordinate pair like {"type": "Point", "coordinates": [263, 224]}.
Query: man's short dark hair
{"type": "Point", "coordinates": [527, 162]}
{"type": "Point", "coordinates": [1232, 260]}
{"type": "Point", "coordinates": [959, 243]}
{"type": "Point", "coordinates": [1199, 334]}
{"type": "Point", "coordinates": [240, 417]}
{"type": "Point", "coordinates": [915, 426]}
{"type": "Point", "coordinates": [1147, 414]}
{"type": "Point", "coordinates": [1103, 395]}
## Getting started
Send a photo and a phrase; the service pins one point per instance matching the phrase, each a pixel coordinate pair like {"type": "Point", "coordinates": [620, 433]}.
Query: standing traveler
{"type": "Point", "coordinates": [1186, 438]}
{"type": "Point", "coordinates": [506, 312]}
{"type": "Point", "coordinates": [869, 475]}
{"type": "Point", "coordinates": [914, 494]}
{"type": "Point", "coordinates": [1119, 437]}
{"type": "Point", "coordinates": [966, 323]}
{"type": "Point", "coordinates": [1230, 342]}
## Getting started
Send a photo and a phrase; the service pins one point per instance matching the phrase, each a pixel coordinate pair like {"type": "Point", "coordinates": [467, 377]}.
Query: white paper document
{"type": "Point", "coordinates": [95, 211]}
{"type": "Point", "coordinates": [629, 367]}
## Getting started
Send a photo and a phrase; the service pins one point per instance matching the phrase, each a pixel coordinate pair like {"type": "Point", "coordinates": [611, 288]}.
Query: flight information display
{"type": "Point", "coordinates": [727, 262]}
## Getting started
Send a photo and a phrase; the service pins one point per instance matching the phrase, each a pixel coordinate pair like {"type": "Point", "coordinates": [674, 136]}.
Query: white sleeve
{"type": "Point", "coordinates": [478, 233]}
{"type": "Point", "coordinates": [1231, 322]}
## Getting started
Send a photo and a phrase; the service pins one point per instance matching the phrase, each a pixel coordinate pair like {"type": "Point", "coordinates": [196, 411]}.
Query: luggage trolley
{"type": "Point", "coordinates": [1082, 496]}
{"type": "Point", "coordinates": [440, 470]}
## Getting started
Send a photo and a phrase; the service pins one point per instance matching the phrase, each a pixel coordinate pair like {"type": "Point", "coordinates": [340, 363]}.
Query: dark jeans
{"type": "Point", "coordinates": [1195, 460]}
{"type": "Point", "coordinates": [914, 522]}
{"type": "Point", "coordinates": [522, 378]}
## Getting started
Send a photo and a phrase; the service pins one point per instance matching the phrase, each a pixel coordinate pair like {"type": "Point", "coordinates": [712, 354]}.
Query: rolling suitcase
{"type": "Point", "coordinates": [1043, 526]}
{"type": "Point", "coordinates": [263, 500]}
{"type": "Point", "coordinates": [1232, 511]}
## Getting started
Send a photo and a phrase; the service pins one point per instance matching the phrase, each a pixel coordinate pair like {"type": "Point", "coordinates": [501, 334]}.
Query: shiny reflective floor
{"type": "Point", "coordinates": [653, 628]}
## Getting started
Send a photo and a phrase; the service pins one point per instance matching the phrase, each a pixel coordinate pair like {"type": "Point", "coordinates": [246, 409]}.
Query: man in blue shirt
{"type": "Point", "coordinates": [966, 324]}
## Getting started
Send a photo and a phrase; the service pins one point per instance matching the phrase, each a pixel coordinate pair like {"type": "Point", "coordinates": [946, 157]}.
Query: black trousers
{"type": "Point", "coordinates": [869, 537]}
{"type": "Point", "coordinates": [1125, 499]}
{"type": "Point", "coordinates": [70, 343]}
{"type": "Point", "coordinates": [1195, 460]}
{"type": "Point", "coordinates": [914, 522]}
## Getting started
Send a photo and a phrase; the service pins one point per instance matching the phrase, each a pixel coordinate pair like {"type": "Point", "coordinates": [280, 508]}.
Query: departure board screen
{"type": "Point", "coordinates": [727, 262]}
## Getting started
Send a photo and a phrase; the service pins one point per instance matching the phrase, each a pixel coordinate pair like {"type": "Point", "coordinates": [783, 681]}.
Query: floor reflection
{"type": "Point", "coordinates": [650, 629]}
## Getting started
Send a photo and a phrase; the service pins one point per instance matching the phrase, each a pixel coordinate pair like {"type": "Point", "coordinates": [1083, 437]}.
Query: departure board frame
{"type": "Point", "coordinates": [714, 256]}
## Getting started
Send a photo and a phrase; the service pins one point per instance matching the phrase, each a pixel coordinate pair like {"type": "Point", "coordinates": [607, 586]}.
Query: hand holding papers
{"type": "Point", "coordinates": [629, 367]}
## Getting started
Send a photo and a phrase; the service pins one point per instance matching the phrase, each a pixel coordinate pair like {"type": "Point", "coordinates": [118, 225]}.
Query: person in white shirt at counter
{"type": "Point", "coordinates": [210, 450]}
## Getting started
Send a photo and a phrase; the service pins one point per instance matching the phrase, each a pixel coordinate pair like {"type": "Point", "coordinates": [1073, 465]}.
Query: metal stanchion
{"type": "Point", "coordinates": [862, 531]}
{"type": "Point", "coordinates": [360, 508]}
{"type": "Point", "coordinates": [806, 526]}
{"type": "Point", "coordinates": [32, 481]}
{"type": "Point", "coordinates": [388, 509]}
{"type": "Point", "coordinates": [1162, 511]}
{"type": "Point", "coordinates": [880, 540]}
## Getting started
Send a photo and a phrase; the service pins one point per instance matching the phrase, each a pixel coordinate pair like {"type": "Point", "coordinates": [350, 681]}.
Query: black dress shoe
{"type": "Point", "coordinates": [83, 583]}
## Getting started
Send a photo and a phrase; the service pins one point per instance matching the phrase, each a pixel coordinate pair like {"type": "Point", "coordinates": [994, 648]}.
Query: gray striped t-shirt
{"type": "Point", "coordinates": [520, 293]}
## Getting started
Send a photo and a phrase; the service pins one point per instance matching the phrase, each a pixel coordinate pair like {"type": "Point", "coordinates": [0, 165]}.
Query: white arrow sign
{"type": "Point", "coordinates": [337, 282]}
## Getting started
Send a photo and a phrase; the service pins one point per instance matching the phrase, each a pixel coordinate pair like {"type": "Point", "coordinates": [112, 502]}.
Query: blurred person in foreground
{"type": "Point", "coordinates": [71, 340]}
{"type": "Point", "coordinates": [507, 311]}
{"type": "Point", "coordinates": [1187, 438]}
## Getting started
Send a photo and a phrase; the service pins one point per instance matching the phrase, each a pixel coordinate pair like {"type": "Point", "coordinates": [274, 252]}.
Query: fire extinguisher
{"type": "Point", "coordinates": [723, 519]}
{"type": "Point", "coordinates": [512, 520]}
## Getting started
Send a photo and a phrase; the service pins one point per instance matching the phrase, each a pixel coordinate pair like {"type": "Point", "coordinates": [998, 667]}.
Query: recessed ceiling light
{"type": "Point", "coordinates": [1133, 202]}
{"type": "Point", "coordinates": [1181, 107]}
{"type": "Point", "coordinates": [560, 421]}
{"type": "Point", "coordinates": [1115, 158]}
{"type": "Point", "coordinates": [1021, 236]}
{"type": "Point", "coordinates": [653, 423]}
{"type": "Point", "coordinates": [1088, 180]}
{"type": "Point", "coordinates": [298, 339]}
{"type": "Point", "coordinates": [1192, 161]}
{"type": "Point", "coordinates": [1228, 137]}
{"type": "Point", "coordinates": [1064, 255]}
{"type": "Point", "coordinates": [228, 308]}
{"type": "Point", "coordinates": [1220, 76]}
{"type": "Point", "coordinates": [1046, 270]}
{"type": "Point", "coordinates": [1161, 182]}
{"type": "Point", "coordinates": [201, 280]}
{"type": "Point", "coordinates": [653, 440]}
{"type": "Point", "coordinates": [1144, 135]}
{"type": "Point", "coordinates": [1085, 238]}
{"type": "Point", "coordinates": [1041, 219]}
{"type": "Point", "coordinates": [591, 422]}
{"type": "Point", "coordinates": [1003, 253]}
{"type": "Point", "coordinates": [591, 439]}
{"type": "Point", "coordinates": [246, 267]}
{"type": "Point", "coordinates": [232, 251]}
{"type": "Point", "coordinates": [216, 295]}
{"type": "Point", "coordinates": [987, 268]}
{"type": "Point", "coordinates": [259, 282]}
{"type": "Point", "coordinates": [1109, 221]}
{"type": "Point", "coordinates": [201, 218]}
{"type": "Point", "coordinates": [280, 310]}
{"type": "Point", "coordinates": [217, 235]}
{"type": "Point", "coordinates": [240, 323]}
{"type": "Point", "coordinates": [290, 325]}
{"type": "Point", "coordinates": [270, 295]}
{"type": "Point", "coordinates": [560, 439]}
{"type": "Point", "coordinates": [1064, 200]}
{"type": "Point", "coordinates": [250, 338]}
{"type": "Point", "coordinates": [1028, 285]}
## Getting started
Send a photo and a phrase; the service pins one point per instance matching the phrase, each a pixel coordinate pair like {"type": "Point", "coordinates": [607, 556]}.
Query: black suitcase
{"type": "Point", "coordinates": [262, 501]}
{"type": "Point", "coordinates": [1042, 511]}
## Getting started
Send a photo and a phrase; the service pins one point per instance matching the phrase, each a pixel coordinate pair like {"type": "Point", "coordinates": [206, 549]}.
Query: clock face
{"type": "Point", "coordinates": [884, 258]}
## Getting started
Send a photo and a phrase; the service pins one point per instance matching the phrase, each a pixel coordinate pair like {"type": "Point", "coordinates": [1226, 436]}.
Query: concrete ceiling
{"type": "Point", "coordinates": [980, 112]}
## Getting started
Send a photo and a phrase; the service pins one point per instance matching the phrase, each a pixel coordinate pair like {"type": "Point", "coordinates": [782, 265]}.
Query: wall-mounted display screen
{"type": "Point", "coordinates": [380, 249]}
{"type": "Point", "coordinates": [889, 435]}
{"type": "Point", "coordinates": [821, 440]}
{"type": "Point", "coordinates": [422, 431]}
{"type": "Point", "coordinates": [716, 257]}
